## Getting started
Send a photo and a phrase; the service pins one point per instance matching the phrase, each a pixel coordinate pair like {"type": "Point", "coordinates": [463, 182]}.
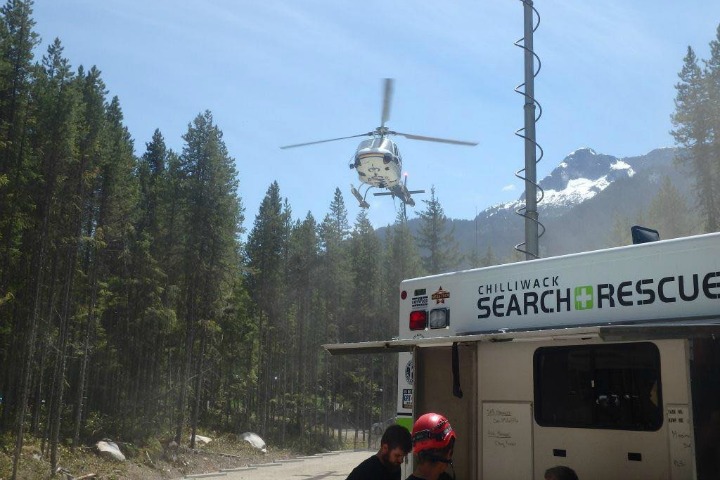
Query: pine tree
{"type": "Point", "coordinates": [57, 105]}
{"type": "Point", "coordinates": [149, 317]}
{"type": "Point", "coordinates": [401, 261]}
{"type": "Point", "coordinates": [18, 175]}
{"type": "Point", "coordinates": [693, 130]}
{"type": "Point", "coordinates": [668, 212]}
{"type": "Point", "coordinates": [310, 322]}
{"type": "Point", "coordinates": [17, 41]}
{"type": "Point", "coordinates": [369, 320]}
{"type": "Point", "coordinates": [712, 78]}
{"type": "Point", "coordinates": [335, 287]}
{"type": "Point", "coordinates": [265, 249]}
{"type": "Point", "coordinates": [212, 216]}
{"type": "Point", "coordinates": [151, 175]}
{"type": "Point", "coordinates": [435, 239]}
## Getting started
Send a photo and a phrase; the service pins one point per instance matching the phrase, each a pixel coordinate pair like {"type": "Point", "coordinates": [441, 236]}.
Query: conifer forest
{"type": "Point", "coordinates": [133, 304]}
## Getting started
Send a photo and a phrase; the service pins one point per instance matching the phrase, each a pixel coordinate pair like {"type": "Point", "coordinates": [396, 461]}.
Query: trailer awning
{"type": "Point", "coordinates": [608, 333]}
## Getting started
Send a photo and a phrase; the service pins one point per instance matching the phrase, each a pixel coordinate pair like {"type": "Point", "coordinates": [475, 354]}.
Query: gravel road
{"type": "Point", "coordinates": [331, 466]}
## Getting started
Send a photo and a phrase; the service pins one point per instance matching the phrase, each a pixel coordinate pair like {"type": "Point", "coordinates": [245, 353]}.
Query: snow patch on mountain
{"type": "Point", "coordinates": [579, 177]}
{"type": "Point", "coordinates": [620, 165]}
{"type": "Point", "coordinates": [577, 191]}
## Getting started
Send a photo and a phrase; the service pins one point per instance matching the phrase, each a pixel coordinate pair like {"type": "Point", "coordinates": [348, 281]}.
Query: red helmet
{"type": "Point", "coordinates": [431, 431]}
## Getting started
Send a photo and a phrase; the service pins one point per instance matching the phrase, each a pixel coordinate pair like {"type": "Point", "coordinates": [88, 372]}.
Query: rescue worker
{"type": "Point", "coordinates": [385, 464]}
{"type": "Point", "coordinates": [433, 440]}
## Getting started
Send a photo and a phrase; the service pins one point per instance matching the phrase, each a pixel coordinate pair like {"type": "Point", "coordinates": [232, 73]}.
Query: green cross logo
{"type": "Point", "coordinates": [584, 297]}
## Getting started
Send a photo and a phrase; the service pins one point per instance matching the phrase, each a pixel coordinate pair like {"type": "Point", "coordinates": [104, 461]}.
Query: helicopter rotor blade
{"type": "Point", "coordinates": [434, 139]}
{"type": "Point", "coordinates": [369, 134]}
{"type": "Point", "coordinates": [387, 100]}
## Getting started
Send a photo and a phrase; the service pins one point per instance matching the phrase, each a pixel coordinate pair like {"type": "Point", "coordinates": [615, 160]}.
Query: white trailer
{"type": "Point", "coordinates": [606, 361]}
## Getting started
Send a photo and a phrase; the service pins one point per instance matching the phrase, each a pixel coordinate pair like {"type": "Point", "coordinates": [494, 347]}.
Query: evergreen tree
{"type": "Point", "coordinates": [18, 176]}
{"type": "Point", "coordinates": [57, 105]}
{"type": "Point", "coordinates": [434, 238]}
{"type": "Point", "coordinates": [150, 319]}
{"type": "Point", "coordinates": [693, 130]}
{"type": "Point", "coordinates": [265, 250]}
{"type": "Point", "coordinates": [335, 287]}
{"type": "Point", "coordinates": [17, 41]}
{"type": "Point", "coordinates": [334, 232]}
{"type": "Point", "coordinates": [365, 258]}
{"type": "Point", "coordinates": [212, 216]}
{"type": "Point", "coordinates": [668, 212]}
{"type": "Point", "coordinates": [402, 261]}
{"type": "Point", "coordinates": [151, 175]}
{"type": "Point", "coordinates": [369, 320]}
{"type": "Point", "coordinates": [108, 217]}
{"type": "Point", "coordinates": [489, 258]}
{"type": "Point", "coordinates": [621, 233]}
{"type": "Point", "coordinates": [712, 79]}
{"type": "Point", "coordinates": [310, 320]}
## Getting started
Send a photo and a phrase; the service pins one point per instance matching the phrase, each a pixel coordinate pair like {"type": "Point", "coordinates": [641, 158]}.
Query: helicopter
{"type": "Point", "coordinates": [378, 161]}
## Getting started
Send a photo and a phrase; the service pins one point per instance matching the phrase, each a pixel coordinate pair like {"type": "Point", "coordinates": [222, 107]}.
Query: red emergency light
{"type": "Point", "coordinates": [418, 319]}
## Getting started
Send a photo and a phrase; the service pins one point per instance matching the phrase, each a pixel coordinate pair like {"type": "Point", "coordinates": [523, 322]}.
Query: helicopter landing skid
{"type": "Point", "coordinates": [360, 199]}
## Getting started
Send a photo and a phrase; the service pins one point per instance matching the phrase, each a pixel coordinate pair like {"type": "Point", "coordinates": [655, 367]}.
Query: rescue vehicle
{"type": "Point", "coordinates": [605, 361]}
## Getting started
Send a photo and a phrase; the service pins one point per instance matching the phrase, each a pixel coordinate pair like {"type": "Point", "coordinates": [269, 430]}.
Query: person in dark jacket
{"type": "Point", "coordinates": [395, 444]}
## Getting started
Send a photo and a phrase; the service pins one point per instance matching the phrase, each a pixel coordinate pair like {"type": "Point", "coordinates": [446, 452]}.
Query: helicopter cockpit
{"type": "Point", "coordinates": [378, 162]}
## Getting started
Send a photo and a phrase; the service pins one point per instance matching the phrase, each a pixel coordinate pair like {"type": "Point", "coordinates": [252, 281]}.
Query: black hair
{"type": "Point", "coordinates": [561, 472]}
{"type": "Point", "coordinates": [397, 436]}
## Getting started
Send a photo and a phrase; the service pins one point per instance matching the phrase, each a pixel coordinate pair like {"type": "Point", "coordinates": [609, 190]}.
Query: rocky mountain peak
{"type": "Point", "coordinates": [588, 165]}
{"type": "Point", "coordinates": [580, 176]}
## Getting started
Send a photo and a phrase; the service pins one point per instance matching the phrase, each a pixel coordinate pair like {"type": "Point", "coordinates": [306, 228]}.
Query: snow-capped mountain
{"type": "Point", "coordinates": [578, 178]}
{"type": "Point", "coordinates": [583, 198]}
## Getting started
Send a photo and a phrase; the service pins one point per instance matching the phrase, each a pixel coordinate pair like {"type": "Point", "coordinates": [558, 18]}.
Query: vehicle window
{"type": "Point", "coordinates": [599, 386]}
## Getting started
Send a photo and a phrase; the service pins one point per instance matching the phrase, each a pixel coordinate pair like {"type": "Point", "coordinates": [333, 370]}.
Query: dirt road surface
{"type": "Point", "coordinates": [330, 466]}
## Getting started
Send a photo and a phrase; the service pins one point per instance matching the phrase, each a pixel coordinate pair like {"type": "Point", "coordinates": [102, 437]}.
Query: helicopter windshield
{"type": "Point", "coordinates": [379, 143]}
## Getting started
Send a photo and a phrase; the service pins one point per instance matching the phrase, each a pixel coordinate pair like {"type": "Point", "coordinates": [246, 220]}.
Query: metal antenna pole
{"type": "Point", "coordinates": [531, 224]}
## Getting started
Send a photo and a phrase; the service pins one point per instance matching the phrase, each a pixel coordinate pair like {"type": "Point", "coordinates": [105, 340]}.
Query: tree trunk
{"type": "Point", "coordinates": [198, 388]}
{"type": "Point", "coordinates": [64, 327]}
{"type": "Point", "coordinates": [185, 376]}
{"type": "Point", "coordinates": [29, 347]}
{"type": "Point", "coordinates": [89, 330]}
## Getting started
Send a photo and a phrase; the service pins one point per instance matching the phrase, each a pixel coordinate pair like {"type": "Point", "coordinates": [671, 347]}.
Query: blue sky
{"type": "Point", "coordinates": [278, 72]}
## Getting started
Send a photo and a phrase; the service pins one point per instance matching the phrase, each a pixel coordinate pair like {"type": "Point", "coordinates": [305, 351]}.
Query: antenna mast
{"type": "Point", "coordinates": [531, 226]}
{"type": "Point", "coordinates": [533, 232]}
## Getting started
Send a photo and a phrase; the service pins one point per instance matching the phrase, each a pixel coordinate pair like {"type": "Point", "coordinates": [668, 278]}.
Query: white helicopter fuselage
{"type": "Point", "coordinates": [378, 162]}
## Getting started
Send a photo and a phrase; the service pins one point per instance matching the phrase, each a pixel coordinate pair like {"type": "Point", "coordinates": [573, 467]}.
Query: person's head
{"type": "Point", "coordinates": [433, 439]}
{"type": "Point", "coordinates": [395, 444]}
{"type": "Point", "coordinates": [561, 472]}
